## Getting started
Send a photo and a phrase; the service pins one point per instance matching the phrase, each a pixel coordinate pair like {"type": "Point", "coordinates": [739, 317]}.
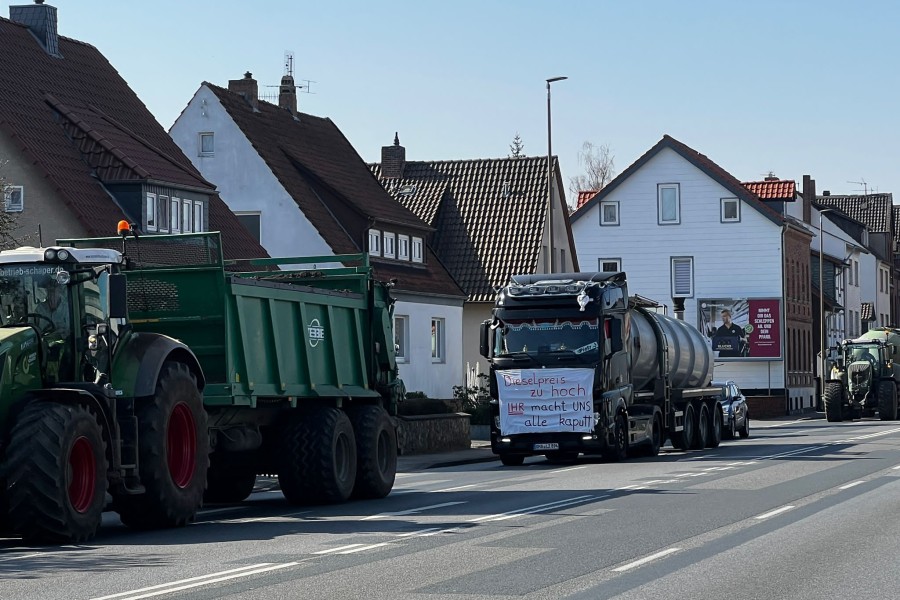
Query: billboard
{"type": "Point", "coordinates": [742, 328]}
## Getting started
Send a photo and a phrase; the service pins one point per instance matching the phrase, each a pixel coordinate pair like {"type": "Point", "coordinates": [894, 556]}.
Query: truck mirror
{"type": "Point", "coordinates": [615, 336]}
{"type": "Point", "coordinates": [118, 302]}
{"type": "Point", "coordinates": [484, 338]}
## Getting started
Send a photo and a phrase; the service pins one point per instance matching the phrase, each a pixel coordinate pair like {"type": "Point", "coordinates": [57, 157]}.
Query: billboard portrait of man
{"type": "Point", "coordinates": [730, 339]}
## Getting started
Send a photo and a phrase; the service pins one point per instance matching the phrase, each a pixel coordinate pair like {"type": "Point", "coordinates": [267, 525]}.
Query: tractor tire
{"type": "Point", "coordinates": [227, 483]}
{"type": "Point", "coordinates": [173, 450]}
{"type": "Point", "coordinates": [512, 460]}
{"type": "Point", "coordinates": [887, 401]}
{"type": "Point", "coordinates": [701, 428]}
{"type": "Point", "coordinates": [376, 452]}
{"type": "Point", "coordinates": [715, 428]}
{"type": "Point", "coordinates": [317, 459]}
{"type": "Point", "coordinates": [684, 439]}
{"type": "Point", "coordinates": [56, 474]}
{"type": "Point", "coordinates": [833, 397]}
{"type": "Point", "coordinates": [619, 450]}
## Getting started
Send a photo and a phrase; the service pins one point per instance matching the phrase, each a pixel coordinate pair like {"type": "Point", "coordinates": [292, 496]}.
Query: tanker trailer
{"type": "Point", "coordinates": [865, 377]}
{"type": "Point", "coordinates": [579, 367]}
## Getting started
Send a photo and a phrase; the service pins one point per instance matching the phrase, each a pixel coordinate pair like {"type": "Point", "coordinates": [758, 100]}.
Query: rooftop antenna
{"type": "Point", "coordinates": [304, 85]}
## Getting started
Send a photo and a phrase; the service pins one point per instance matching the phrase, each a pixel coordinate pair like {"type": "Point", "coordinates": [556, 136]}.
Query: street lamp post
{"type": "Point", "coordinates": [552, 265]}
{"type": "Point", "coordinates": [822, 343]}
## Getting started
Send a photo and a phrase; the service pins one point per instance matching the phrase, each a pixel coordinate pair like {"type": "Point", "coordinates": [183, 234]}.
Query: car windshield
{"type": "Point", "coordinates": [535, 336]}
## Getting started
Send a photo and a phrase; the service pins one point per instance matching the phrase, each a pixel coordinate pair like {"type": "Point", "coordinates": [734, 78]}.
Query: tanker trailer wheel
{"type": "Point", "coordinates": [887, 401]}
{"type": "Point", "coordinates": [173, 448]}
{"type": "Point", "coordinates": [376, 452]}
{"type": "Point", "coordinates": [684, 439]}
{"type": "Point", "coordinates": [56, 473]}
{"type": "Point", "coordinates": [227, 482]}
{"type": "Point", "coordinates": [317, 458]}
{"type": "Point", "coordinates": [832, 397]}
{"type": "Point", "coordinates": [701, 428]}
{"type": "Point", "coordinates": [619, 450]}
{"type": "Point", "coordinates": [715, 428]}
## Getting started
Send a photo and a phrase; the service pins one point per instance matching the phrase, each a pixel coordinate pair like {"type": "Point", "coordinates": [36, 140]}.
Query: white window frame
{"type": "Point", "coordinates": [390, 245]}
{"type": "Point", "coordinates": [401, 337]}
{"type": "Point", "coordinates": [162, 214]}
{"type": "Point", "coordinates": [201, 137]}
{"type": "Point", "coordinates": [438, 339]}
{"type": "Point", "coordinates": [251, 213]}
{"type": "Point", "coordinates": [374, 242]}
{"type": "Point", "coordinates": [150, 215]}
{"type": "Point", "coordinates": [187, 213]}
{"type": "Point", "coordinates": [8, 204]}
{"type": "Point", "coordinates": [737, 210]}
{"type": "Point", "coordinates": [617, 261]}
{"type": "Point", "coordinates": [403, 247]}
{"type": "Point", "coordinates": [609, 203]}
{"type": "Point", "coordinates": [660, 188]}
{"type": "Point", "coordinates": [682, 262]}
{"type": "Point", "coordinates": [175, 215]}
{"type": "Point", "coordinates": [198, 216]}
{"type": "Point", "coordinates": [418, 249]}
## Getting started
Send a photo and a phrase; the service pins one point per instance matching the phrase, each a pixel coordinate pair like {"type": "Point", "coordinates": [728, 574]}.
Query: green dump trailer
{"type": "Point", "coordinates": [154, 370]}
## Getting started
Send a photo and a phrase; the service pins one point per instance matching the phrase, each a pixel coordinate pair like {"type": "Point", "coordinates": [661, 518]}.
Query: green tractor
{"type": "Point", "coordinates": [865, 377]}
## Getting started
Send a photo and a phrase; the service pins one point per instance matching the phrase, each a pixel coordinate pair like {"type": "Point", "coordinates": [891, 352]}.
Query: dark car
{"type": "Point", "coordinates": [735, 412]}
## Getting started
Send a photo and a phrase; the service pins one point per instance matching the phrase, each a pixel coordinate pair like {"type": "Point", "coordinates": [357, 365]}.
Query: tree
{"type": "Point", "coordinates": [599, 166]}
{"type": "Point", "coordinates": [517, 147]}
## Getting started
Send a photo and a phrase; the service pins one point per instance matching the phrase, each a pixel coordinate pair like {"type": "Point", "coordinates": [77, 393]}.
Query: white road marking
{"type": "Point", "coordinates": [777, 511]}
{"type": "Point", "coordinates": [453, 489]}
{"type": "Point", "coordinates": [850, 485]}
{"type": "Point", "coordinates": [779, 424]}
{"type": "Point", "coordinates": [571, 469]}
{"type": "Point", "coordinates": [869, 436]}
{"type": "Point", "coordinates": [273, 518]}
{"type": "Point", "coordinates": [214, 511]}
{"type": "Point", "coordinates": [23, 556]}
{"type": "Point", "coordinates": [420, 532]}
{"type": "Point", "coordinates": [338, 549]}
{"type": "Point", "coordinates": [369, 547]}
{"type": "Point", "coordinates": [411, 511]}
{"type": "Point", "coordinates": [534, 509]}
{"type": "Point", "coordinates": [646, 559]}
{"type": "Point", "coordinates": [896, 468]}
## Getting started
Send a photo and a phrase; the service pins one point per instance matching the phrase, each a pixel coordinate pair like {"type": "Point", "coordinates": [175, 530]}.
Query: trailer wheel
{"type": "Point", "coordinates": [715, 428]}
{"type": "Point", "coordinates": [376, 452]}
{"type": "Point", "coordinates": [228, 483]}
{"type": "Point", "coordinates": [887, 401]}
{"type": "Point", "coordinates": [619, 450]}
{"type": "Point", "coordinates": [317, 460]}
{"type": "Point", "coordinates": [512, 460]}
{"type": "Point", "coordinates": [173, 449]}
{"type": "Point", "coordinates": [56, 473]}
{"type": "Point", "coordinates": [833, 397]}
{"type": "Point", "coordinates": [684, 439]}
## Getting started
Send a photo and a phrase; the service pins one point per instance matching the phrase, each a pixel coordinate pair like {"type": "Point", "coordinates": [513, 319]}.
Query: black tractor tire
{"type": "Point", "coordinates": [173, 451]}
{"type": "Point", "coordinates": [715, 428]}
{"type": "Point", "coordinates": [887, 401]}
{"type": "Point", "coordinates": [512, 460]}
{"type": "Point", "coordinates": [701, 429]}
{"type": "Point", "coordinates": [227, 483]}
{"type": "Point", "coordinates": [684, 439]}
{"type": "Point", "coordinates": [56, 473]}
{"type": "Point", "coordinates": [744, 431]}
{"type": "Point", "coordinates": [376, 452]}
{"type": "Point", "coordinates": [832, 397]}
{"type": "Point", "coordinates": [317, 460]}
{"type": "Point", "coordinates": [619, 449]}
{"type": "Point", "coordinates": [561, 458]}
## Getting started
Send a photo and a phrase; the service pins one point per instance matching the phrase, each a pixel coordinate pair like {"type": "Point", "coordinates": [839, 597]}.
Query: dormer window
{"type": "Point", "coordinates": [417, 250]}
{"type": "Point", "coordinates": [374, 242]}
{"type": "Point", "coordinates": [403, 247]}
{"type": "Point", "coordinates": [390, 245]}
{"type": "Point", "coordinates": [151, 212]}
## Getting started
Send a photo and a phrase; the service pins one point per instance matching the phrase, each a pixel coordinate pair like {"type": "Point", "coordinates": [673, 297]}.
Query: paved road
{"type": "Point", "coordinates": [800, 510]}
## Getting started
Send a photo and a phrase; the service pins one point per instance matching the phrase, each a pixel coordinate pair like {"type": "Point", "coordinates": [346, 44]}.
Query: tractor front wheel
{"type": "Point", "coordinates": [833, 397]}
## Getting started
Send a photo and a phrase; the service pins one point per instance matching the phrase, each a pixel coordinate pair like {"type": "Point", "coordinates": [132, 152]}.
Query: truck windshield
{"type": "Point", "coordinates": [30, 295]}
{"type": "Point", "coordinates": [578, 337]}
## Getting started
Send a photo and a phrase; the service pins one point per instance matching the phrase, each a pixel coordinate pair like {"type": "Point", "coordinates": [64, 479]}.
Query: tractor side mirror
{"type": "Point", "coordinates": [484, 339]}
{"type": "Point", "coordinates": [118, 300]}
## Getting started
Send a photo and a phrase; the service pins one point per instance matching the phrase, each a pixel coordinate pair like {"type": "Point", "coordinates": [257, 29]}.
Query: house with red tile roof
{"type": "Point", "coordinates": [301, 188]}
{"type": "Point", "coordinates": [490, 219]}
{"type": "Point", "coordinates": [83, 152]}
{"type": "Point", "coordinates": [690, 236]}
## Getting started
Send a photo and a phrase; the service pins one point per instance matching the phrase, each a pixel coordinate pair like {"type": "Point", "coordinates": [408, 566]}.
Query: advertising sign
{"type": "Point", "coordinates": [546, 400]}
{"type": "Point", "coordinates": [742, 329]}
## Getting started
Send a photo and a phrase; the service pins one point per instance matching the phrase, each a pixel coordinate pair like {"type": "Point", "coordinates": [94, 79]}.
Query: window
{"type": "Point", "coordinates": [401, 337]}
{"type": "Point", "coordinates": [731, 210]}
{"type": "Point", "coordinates": [207, 144]}
{"type": "Point", "coordinates": [668, 200]}
{"type": "Point", "coordinates": [403, 247]}
{"type": "Point", "coordinates": [417, 249]}
{"type": "Point", "coordinates": [682, 277]}
{"type": "Point", "coordinates": [609, 213]}
{"type": "Point", "coordinates": [162, 213]}
{"type": "Point", "coordinates": [14, 198]}
{"type": "Point", "coordinates": [198, 215]}
{"type": "Point", "coordinates": [610, 265]}
{"type": "Point", "coordinates": [175, 215]}
{"type": "Point", "coordinates": [856, 272]}
{"type": "Point", "coordinates": [252, 223]}
{"type": "Point", "coordinates": [187, 209]}
{"type": "Point", "coordinates": [390, 245]}
{"type": "Point", "coordinates": [151, 212]}
{"type": "Point", "coordinates": [374, 242]}
{"type": "Point", "coordinates": [437, 340]}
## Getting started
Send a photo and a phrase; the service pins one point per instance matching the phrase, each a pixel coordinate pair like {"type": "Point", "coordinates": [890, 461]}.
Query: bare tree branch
{"type": "Point", "coordinates": [599, 166]}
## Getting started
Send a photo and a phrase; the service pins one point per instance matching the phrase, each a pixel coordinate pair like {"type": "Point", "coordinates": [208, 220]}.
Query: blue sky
{"type": "Point", "coordinates": [793, 87]}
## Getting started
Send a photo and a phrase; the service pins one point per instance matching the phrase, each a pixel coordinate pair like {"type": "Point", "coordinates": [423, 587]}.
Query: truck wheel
{"type": "Point", "coordinates": [655, 439]}
{"type": "Point", "coordinates": [715, 428]}
{"type": "Point", "coordinates": [619, 450]}
{"type": "Point", "coordinates": [701, 428]}
{"type": "Point", "coordinates": [684, 439]}
{"type": "Point", "coordinates": [56, 473]}
{"type": "Point", "coordinates": [744, 431]}
{"type": "Point", "coordinates": [512, 460]}
{"type": "Point", "coordinates": [832, 397]}
{"type": "Point", "coordinates": [173, 449]}
{"type": "Point", "coordinates": [376, 452]}
{"type": "Point", "coordinates": [227, 483]}
{"type": "Point", "coordinates": [317, 461]}
{"type": "Point", "coordinates": [887, 401]}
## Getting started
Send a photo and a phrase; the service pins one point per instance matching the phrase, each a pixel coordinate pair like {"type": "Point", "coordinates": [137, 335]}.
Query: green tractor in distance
{"type": "Point", "coordinates": [865, 377]}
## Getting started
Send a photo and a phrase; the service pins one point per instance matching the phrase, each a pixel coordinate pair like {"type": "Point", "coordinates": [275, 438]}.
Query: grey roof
{"type": "Point", "coordinates": [873, 210]}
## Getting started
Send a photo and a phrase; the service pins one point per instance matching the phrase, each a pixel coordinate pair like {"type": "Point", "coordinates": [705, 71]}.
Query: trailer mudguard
{"type": "Point", "coordinates": [139, 360]}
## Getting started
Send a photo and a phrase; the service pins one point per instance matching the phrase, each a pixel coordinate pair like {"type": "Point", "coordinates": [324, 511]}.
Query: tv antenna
{"type": "Point", "coordinates": [289, 72]}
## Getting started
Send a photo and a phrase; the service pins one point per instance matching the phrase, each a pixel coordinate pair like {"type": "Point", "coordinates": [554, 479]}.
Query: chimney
{"type": "Point", "coordinates": [287, 94]}
{"type": "Point", "coordinates": [809, 194]}
{"type": "Point", "coordinates": [393, 160]}
{"type": "Point", "coordinates": [41, 21]}
{"type": "Point", "coordinates": [771, 177]}
{"type": "Point", "coordinates": [247, 88]}
{"type": "Point", "coordinates": [826, 193]}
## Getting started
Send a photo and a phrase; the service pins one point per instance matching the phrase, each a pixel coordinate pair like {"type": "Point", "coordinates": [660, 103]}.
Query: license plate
{"type": "Point", "coordinates": [553, 446]}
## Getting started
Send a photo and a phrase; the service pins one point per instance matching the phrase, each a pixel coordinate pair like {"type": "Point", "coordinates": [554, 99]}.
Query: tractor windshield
{"type": "Point", "coordinates": [30, 295]}
{"type": "Point", "coordinates": [864, 352]}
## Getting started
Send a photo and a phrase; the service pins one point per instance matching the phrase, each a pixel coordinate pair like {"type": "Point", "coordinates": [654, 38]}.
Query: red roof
{"type": "Point", "coordinates": [584, 196]}
{"type": "Point", "coordinates": [772, 189]}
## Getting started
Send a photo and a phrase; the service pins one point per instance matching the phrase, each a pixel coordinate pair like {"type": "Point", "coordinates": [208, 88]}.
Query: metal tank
{"type": "Point", "coordinates": [689, 357]}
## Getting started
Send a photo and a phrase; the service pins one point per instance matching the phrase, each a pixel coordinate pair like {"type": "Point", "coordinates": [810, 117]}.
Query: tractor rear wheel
{"type": "Point", "coordinates": [887, 401]}
{"type": "Point", "coordinates": [376, 452]}
{"type": "Point", "coordinates": [56, 473]}
{"type": "Point", "coordinates": [173, 447]}
{"type": "Point", "coordinates": [228, 482]}
{"type": "Point", "coordinates": [833, 397]}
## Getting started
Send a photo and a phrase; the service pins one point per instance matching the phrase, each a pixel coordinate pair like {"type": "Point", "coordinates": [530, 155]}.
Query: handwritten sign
{"type": "Point", "coordinates": [546, 400]}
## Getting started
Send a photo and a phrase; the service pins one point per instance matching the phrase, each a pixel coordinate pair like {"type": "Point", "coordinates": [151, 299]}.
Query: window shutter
{"type": "Point", "coordinates": [682, 277]}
